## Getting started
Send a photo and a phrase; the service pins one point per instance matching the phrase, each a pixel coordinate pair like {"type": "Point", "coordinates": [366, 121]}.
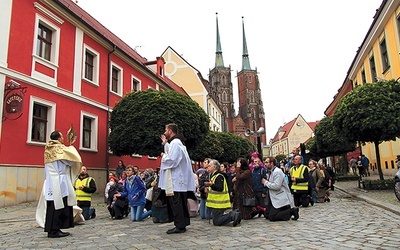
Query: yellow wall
{"type": "Point", "coordinates": [389, 31]}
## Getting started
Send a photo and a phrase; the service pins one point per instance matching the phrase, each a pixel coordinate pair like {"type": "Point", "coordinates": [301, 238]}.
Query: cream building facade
{"type": "Point", "coordinates": [378, 58]}
{"type": "Point", "coordinates": [190, 79]}
{"type": "Point", "coordinates": [290, 135]}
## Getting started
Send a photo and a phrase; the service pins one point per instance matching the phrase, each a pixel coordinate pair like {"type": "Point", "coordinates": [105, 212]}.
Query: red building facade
{"type": "Point", "coordinates": [67, 69]}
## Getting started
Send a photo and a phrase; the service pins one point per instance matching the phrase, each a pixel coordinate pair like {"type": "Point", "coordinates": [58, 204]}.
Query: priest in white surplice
{"type": "Point", "coordinates": [176, 178]}
{"type": "Point", "coordinates": [62, 164]}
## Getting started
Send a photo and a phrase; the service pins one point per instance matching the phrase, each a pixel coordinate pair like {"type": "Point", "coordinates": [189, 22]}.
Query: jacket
{"type": "Point", "coordinates": [218, 196]}
{"type": "Point", "coordinates": [258, 173]}
{"type": "Point", "coordinates": [136, 192]}
{"type": "Point", "coordinates": [278, 189]}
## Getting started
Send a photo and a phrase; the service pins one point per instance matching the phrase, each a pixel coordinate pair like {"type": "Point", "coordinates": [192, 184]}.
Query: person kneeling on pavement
{"type": "Point", "coordinates": [85, 186]}
{"type": "Point", "coordinates": [279, 196]}
{"type": "Point", "coordinates": [218, 199]}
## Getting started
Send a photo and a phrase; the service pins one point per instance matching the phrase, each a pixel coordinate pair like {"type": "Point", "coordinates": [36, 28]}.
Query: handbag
{"type": "Point", "coordinates": [248, 202]}
{"type": "Point", "coordinates": [149, 194]}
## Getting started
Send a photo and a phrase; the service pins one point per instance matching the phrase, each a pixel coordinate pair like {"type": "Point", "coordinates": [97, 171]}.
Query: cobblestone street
{"type": "Point", "coordinates": [347, 222]}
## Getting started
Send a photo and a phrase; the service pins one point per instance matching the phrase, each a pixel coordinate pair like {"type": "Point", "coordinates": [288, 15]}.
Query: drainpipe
{"type": "Point", "coordinates": [108, 109]}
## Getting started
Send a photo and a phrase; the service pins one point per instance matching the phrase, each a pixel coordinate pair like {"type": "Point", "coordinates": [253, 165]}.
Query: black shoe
{"type": "Point", "coordinates": [176, 230]}
{"type": "Point", "coordinates": [236, 219]}
{"type": "Point", "coordinates": [295, 213]}
{"type": "Point", "coordinates": [58, 234]}
{"type": "Point", "coordinates": [94, 214]}
{"type": "Point", "coordinates": [312, 202]}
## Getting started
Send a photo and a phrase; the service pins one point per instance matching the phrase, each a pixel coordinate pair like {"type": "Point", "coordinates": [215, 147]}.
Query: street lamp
{"type": "Point", "coordinates": [259, 132]}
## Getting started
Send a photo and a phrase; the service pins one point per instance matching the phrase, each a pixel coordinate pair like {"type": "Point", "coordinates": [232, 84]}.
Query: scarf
{"type": "Point", "coordinates": [130, 180]}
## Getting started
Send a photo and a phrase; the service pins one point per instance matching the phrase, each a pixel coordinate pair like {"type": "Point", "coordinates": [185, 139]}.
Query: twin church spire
{"type": "Point", "coordinates": [219, 60]}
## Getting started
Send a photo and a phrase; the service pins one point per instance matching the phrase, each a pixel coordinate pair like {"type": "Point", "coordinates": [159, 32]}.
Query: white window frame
{"type": "Point", "coordinates": [120, 78]}
{"type": "Point", "coordinates": [139, 83]}
{"type": "Point", "coordinates": [94, 133]}
{"type": "Point", "coordinates": [96, 64]}
{"type": "Point", "coordinates": [55, 48]}
{"type": "Point", "coordinates": [51, 119]}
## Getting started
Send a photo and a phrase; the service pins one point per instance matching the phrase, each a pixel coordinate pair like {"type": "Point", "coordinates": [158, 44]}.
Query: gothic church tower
{"type": "Point", "coordinates": [251, 108]}
{"type": "Point", "coordinates": [220, 86]}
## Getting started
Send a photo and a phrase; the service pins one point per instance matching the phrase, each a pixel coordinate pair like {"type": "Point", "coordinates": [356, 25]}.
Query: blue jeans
{"type": "Point", "coordinates": [137, 213]}
{"type": "Point", "coordinates": [205, 213]}
{"type": "Point", "coordinates": [314, 195]}
{"type": "Point", "coordinates": [87, 212]}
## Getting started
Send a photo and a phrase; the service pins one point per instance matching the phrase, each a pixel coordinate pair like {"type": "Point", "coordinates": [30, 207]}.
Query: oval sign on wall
{"type": "Point", "coordinates": [14, 103]}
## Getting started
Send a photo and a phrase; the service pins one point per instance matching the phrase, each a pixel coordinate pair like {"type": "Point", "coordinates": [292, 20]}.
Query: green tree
{"type": "Point", "coordinates": [329, 140]}
{"type": "Point", "coordinates": [210, 147]}
{"type": "Point", "coordinates": [234, 147]}
{"type": "Point", "coordinates": [279, 158]}
{"type": "Point", "coordinates": [371, 113]}
{"type": "Point", "coordinates": [139, 119]}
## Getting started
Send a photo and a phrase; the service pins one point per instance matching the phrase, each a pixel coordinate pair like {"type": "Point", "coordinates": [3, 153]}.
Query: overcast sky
{"type": "Point", "coordinates": [301, 49]}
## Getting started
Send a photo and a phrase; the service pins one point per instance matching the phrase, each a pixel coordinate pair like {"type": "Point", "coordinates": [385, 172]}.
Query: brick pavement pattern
{"type": "Point", "coordinates": [354, 219]}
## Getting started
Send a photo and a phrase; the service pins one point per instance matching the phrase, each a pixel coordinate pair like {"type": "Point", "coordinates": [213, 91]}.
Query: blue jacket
{"type": "Point", "coordinates": [136, 192]}
{"type": "Point", "coordinates": [257, 174]}
{"type": "Point", "coordinates": [365, 161]}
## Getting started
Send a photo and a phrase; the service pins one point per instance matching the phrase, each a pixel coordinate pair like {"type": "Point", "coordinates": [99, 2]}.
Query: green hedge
{"type": "Point", "coordinates": [377, 184]}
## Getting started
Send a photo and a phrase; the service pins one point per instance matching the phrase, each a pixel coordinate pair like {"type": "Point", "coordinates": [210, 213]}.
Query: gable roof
{"type": "Point", "coordinates": [103, 32]}
{"type": "Point", "coordinates": [285, 128]}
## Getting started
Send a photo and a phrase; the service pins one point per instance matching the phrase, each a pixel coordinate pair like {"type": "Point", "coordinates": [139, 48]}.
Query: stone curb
{"type": "Point", "coordinates": [387, 206]}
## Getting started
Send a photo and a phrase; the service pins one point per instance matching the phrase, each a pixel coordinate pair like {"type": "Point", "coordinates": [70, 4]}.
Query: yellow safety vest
{"type": "Point", "coordinates": [80, 194]}
{"type": "Point", "coordinates": [216, 199]}
{"type": "Point", "coordinates": [298, 173]}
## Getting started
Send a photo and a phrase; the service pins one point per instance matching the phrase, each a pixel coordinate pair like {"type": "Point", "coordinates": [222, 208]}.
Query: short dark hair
{"type": "Point", "coordinates": [173, 127]}
{"type": "Point", "coordinates": [271, 159]}
{"type": "Point", "coordinates": [55, 135]}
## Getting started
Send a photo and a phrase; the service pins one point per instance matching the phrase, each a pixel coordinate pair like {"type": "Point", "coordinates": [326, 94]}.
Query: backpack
{"type": "Point", "coordinates": [325, 182]}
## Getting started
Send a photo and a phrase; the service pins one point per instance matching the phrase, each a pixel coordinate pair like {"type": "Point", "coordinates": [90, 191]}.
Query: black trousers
{"type": "Point", "coordinates": [219, 218]}
{"type": "Point", "coordinates": [277, 214]}
{"type": "Point", "coordinates": [178, 210]}
{"type": "Point", "coordinates": [58, 219]}
{"type": "Point", "coordinates": [301, 198]}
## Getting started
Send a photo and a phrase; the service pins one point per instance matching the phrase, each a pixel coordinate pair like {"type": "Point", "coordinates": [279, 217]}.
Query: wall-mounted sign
{"type": "Point", "coordinates": [13, 100]}
{"type": "Point", "coordinates": [14, 103]}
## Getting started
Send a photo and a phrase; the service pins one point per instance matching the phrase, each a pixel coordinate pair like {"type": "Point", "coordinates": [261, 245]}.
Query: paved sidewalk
{"type": "Point", "coordinates": [382, 198]}
{"type": "Point", "coordinates": [338, 228]}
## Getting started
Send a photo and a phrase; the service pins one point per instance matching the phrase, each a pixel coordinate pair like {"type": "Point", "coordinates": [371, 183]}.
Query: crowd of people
{"type": "Point", "coordinates": [174, 192]}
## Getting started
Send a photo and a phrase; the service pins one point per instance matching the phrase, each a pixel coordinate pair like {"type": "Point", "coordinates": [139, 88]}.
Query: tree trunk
{"type": "Point", "coordinates": [378, 160]}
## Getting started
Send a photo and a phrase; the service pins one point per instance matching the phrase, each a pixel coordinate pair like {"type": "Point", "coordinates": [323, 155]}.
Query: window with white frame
{"type": "Point", "coordinates": [136, 84]}
{"type": "Point", "coordinates": [91, 65]}
{"type": "Point", "coordinates": [384, 55]}
{"type": "Point", "coordinates": [47, 41]}
{"type": "Point", "coordinates": [44, 42]}
{"type": "Point", "coordinates": [372, 68]}
{"type": "Point", "coordinates": [116, 79]}
{"type": "Point", "coordinates": [89, 129]}
{"type": "Point", "coordinates": [363, 77]}
{"type": "Point", "coordinates": [42, 120]}
{"type": "Point", "coordinates": [46, 45]}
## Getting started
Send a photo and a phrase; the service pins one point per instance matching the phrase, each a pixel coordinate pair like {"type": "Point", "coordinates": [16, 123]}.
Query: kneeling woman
{"type": "Point", "coordinates": [135, 190]}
